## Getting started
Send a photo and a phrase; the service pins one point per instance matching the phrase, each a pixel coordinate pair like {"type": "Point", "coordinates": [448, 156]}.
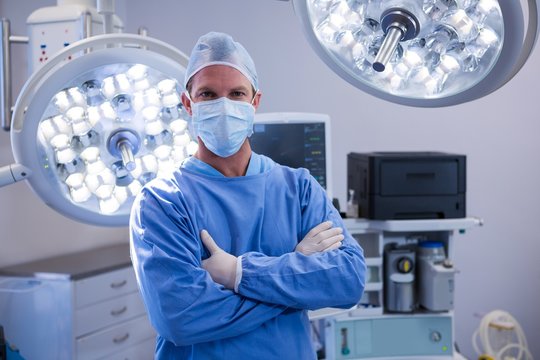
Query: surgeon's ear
{"type": "Point", "coordinates": [257, 100]}
{"type": "Point", "coordinates": [187, 103]}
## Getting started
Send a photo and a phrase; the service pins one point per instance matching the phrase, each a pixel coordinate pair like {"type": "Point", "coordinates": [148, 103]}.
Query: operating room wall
{"type": "Point", "coordinates": [498, 262]}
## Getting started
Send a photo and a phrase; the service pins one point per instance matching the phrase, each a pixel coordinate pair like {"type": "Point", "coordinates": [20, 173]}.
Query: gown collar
{"type": "Point", "coordinates": [257, 165]}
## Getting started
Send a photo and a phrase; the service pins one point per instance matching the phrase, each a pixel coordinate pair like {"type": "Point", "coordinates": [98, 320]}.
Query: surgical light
{"type": "Point", "coordinates": [425, 53]}
{"type": "Point", "coordinates": [88, 133]}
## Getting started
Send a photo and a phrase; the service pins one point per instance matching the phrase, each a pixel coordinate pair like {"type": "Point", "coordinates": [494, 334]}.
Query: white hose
{"type": "Point", "coordinates": [486, 346]}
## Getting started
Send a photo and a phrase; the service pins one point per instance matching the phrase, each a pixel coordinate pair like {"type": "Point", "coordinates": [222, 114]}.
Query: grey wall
{"type": "Point", "coordinates": [498, 262]}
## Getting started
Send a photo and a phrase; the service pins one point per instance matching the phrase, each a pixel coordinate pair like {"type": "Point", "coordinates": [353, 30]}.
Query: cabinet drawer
{"type": "Point", "coordinates": [142, 351]}
{"type": "Point", "coordinates": [106, 313]}
{"type": "Point", "coordinates": [114, 339]}
{"type": "Point", "coordinates": [105, 286]}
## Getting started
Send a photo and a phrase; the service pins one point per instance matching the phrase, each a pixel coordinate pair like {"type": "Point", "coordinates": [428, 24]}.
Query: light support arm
{"type": "Point", "coordinates": [5, 74]}
{"type": "Point", "coordinates": [5, 71]}
{"type": "Point", "coordinates": [106, 9]}
{"type": "Point", "coordinates": [13, 173]}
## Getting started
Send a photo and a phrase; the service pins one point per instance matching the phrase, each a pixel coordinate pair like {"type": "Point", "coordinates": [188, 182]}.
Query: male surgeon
{"type": "Point", "coordinates": [232, 249]}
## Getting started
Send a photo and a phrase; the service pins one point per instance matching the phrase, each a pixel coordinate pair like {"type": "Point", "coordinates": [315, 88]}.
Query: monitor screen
{"type": "Point", "coordinates": [295, 140]}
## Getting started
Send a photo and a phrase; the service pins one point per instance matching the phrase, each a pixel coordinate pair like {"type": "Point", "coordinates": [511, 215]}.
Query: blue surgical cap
{"type": "Point", "coordinates": [217, 48]}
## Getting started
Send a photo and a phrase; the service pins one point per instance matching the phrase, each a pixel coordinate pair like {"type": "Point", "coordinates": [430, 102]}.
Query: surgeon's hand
{"type": "Point", "coordinates": [322, 237]}
{"type": "Point", "coordinates": [221, 265]}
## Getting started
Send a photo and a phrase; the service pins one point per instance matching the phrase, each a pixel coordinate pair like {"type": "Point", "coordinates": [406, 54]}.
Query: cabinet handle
{"type": "Point", "coordinates": [117, 285]}
{"type": "Point", "coordinates": [121, 339]}
{"type": "Point", "coordinates": [119, 311]}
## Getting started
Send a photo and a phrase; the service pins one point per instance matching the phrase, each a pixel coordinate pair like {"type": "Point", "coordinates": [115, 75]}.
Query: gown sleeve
{"type": "Point", "coordinates": [184, 304]}
{"type": "Point", "coordinates": [329, 279]}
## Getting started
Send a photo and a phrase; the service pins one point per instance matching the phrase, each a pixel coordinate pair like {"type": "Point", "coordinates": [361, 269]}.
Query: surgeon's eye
{"type": "Point", "coordinates": [206, 95]}
{"type": "Point", "coordinates": [238, 95]}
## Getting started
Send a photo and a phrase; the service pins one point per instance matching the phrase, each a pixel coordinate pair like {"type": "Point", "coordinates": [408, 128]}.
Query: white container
{"type": "Point", "coordinates": [435, 277]}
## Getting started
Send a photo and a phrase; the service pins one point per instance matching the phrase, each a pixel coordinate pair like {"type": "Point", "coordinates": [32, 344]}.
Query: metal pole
{"type": "Point", "coordinates": [389, 45]}
{"type": "Point", "coordinates": [5, 75]}
{"type": "Point", "coordinates": [86, 23]}
{"type": "Point", "coordinates": [398, 25]}
{"type": "Point", "coordinates": [143, 31]}
{"type": "Point", "coordinates": [127, 155]}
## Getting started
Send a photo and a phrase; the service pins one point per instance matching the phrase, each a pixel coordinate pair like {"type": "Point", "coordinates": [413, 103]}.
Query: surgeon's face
{"type": "Point", "coordinates": [218, 81]}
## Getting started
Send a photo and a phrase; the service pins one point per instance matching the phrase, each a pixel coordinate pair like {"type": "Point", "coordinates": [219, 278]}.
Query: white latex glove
{"type": "Point", "coordinates": [322, 237]}
{"type": "Point", "coordinates": [221, 265]}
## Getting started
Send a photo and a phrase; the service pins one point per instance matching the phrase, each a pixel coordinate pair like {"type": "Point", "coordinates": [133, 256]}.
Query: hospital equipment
{"type": "Point", "coordinates": [408, 185]}
{"type": "Point", "coordinates": [500, 337]}
{"type": "Point", "coordinates": [426, 53]}
{"type": "Point", "coordinates": [371, 331]}
{"type": "Point", "coordinates": [50, 29]}
{"type": "Point", "coordinates": [296, 140]}
{"type": "Point", "coordinates": [434, 277]}
{"type": "Point", "coordinates": [399, 278]}
{"type": "Point", "coordinates": [419, 336]}
{"type": "Point", "coordinates": [98, 120]}
{"type": "Point", "coordinates": [83, 305]}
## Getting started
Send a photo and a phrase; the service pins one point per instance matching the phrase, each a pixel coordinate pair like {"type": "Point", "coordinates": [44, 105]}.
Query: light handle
{"type": "Point", "coordinates": [398, 25]}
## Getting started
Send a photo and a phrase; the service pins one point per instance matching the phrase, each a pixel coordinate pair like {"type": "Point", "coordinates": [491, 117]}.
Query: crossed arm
{"type": "Point", "coordinates": [223, 267]}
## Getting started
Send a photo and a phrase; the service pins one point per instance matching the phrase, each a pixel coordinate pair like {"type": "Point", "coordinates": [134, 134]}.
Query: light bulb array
{"type": "Point", "coordinates": [458, 43]}
{"type": "Point", "coordinates": [76, 130]}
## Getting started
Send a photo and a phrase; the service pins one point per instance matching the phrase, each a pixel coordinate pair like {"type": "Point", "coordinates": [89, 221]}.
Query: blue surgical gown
{"type": "Point", "coordinates": [261, 216]}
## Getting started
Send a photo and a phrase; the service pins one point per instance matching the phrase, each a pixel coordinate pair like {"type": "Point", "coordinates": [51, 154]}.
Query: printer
{"type": "Point", "coordinates": [407, 185]}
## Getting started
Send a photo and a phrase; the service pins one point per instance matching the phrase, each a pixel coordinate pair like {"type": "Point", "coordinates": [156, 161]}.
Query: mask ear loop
{"type": "Point", "coordinates": [191, 127]}
{"type": "Point", "coordinates": [254, 95]}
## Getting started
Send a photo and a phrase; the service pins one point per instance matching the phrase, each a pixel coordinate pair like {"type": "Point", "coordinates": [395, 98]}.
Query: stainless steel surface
{"type": "Point", "coordinates": [399, 278]}
{"type": "Point", "coordinates": [143, 31]}
{"type": "Point", "coordinates": [6, 98]}
{"type": "Point", "coordinates": [18, 39]}
{"type": "Point", "coordinates": [389, 45]}
{"type": "Point", "coordinates": [86, 21]}
{"type": "Point", "coordinates": [398, 25]}
{"type": "Point", "coordinates": [127, 155]}
{"type": "Point", "coordinates": [5, 74]}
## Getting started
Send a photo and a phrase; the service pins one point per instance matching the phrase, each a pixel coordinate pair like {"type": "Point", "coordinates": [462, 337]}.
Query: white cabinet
{"type": "Point", "coordinates": [371, 330]}
{"type": "Point", "coordinates": [81, 306]}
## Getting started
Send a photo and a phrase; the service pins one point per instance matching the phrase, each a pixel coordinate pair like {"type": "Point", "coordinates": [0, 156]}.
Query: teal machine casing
{"type": "Point", "coordinates": [418, 336]}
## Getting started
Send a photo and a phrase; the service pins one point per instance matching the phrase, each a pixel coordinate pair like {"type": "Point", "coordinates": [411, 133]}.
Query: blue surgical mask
{"type": "Point", "coordinates": [222, 124]}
